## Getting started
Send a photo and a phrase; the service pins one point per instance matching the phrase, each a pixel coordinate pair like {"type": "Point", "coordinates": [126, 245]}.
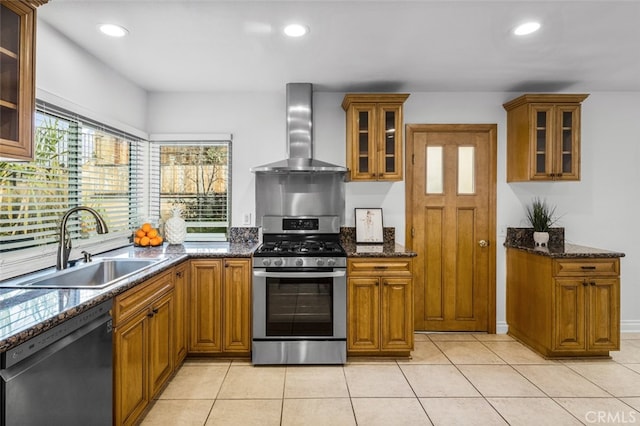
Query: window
{"type": "Point", "coordinates": [197, 176]}
{"type": "Point", "coordinates": [77, 162]}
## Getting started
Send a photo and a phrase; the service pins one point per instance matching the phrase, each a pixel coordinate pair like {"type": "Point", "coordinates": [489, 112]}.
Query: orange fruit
{"type": "Point", "coordinates": [140, 233]}
{"type": "Point", "coordinates": [146, 227]}
{"type": "Point", "coordinates": [152, 234]}
{"type": "Point", "coordinates": [156, 241]}
{"type": "Point", "coordinates": [144, 241]}
{"type": "Point", "coordinates": [136, 240]}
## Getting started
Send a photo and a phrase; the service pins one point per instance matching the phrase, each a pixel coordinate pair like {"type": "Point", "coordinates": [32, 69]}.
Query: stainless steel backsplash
{"type": "Point", "coordinates": [300, 194]}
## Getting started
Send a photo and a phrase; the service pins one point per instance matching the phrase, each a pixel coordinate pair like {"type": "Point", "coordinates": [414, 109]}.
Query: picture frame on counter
{"type": "Point", "coordinates": [369, 226]}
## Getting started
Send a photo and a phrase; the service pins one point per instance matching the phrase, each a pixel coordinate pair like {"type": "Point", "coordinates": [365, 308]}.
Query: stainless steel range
{"type": "Point", "coordinates": [299, 292]}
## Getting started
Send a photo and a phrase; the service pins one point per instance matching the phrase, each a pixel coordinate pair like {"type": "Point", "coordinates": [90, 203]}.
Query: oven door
{"type": "Point", "coordinates": [300, 304]}
{"type": "Point", "coordinates": [299, 316]}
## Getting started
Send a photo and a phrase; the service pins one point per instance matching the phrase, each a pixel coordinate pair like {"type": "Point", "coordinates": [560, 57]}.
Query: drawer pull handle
{"type": "Point", "coordinates": [379, 267]}
{"type": "Point", "coordinates": [588, 268]}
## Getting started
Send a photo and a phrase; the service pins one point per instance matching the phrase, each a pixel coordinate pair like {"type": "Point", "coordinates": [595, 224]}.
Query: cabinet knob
{"type": "Point", "coordinates": [585, 283]}
{"type": "Point", "coordinates": [179, 274]}
{"type": "Point", "coordinates": [483, 243]}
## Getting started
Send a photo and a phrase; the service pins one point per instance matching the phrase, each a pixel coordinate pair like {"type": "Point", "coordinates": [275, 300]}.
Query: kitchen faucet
{"type": "Point", "coordinates": [64, 242]}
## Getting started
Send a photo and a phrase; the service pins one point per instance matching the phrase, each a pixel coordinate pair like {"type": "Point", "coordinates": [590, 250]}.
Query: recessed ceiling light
{"type": "Point", "coordinates": [295, 30]}
{"type": "Point", "coordinates": [527, 28]}
{"type": "Point", "coordinates": [113, 30]}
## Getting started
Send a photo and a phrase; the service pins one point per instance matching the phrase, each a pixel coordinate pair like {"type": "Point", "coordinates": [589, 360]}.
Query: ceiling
{"type": "Point", "coordinates": [365, 45]}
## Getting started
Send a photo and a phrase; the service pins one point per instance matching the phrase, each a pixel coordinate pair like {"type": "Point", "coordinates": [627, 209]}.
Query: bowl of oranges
{"type": "Point", "coordinates": [147, 236]}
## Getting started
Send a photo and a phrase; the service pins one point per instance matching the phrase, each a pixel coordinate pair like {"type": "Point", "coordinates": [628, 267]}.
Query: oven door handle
{"type": "Point", "coordinates": [334, 274]}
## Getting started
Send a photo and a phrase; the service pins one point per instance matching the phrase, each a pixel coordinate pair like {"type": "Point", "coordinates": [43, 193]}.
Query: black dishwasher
{"type": "Point", "coordinates": [63, 376]}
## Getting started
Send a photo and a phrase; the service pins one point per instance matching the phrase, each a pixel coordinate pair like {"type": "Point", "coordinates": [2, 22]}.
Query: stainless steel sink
{"type": "Point", "coordinates": [97, 274]}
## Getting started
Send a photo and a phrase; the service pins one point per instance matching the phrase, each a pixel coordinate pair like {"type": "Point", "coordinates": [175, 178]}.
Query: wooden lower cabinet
{"type": "Point", "coordinates": [564, 307]}
{"type": "Point", "coordinates": [220, 306]}
{"type": "Point", "coordinates": [144, 345]}
{"type": "Point", "coordinates": [379, 306]}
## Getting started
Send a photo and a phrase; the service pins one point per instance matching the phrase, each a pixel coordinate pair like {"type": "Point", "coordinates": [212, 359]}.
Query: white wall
{"type": "Point", "coordinates": [70, 78]}
{"type": "Point", "coordinates": [599, 211]}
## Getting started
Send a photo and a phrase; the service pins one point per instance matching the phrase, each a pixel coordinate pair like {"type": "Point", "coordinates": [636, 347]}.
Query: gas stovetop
{"type": "Point", "coordinates": [300, 248]}
{"type": "Point", "coordinates": [311, 251]}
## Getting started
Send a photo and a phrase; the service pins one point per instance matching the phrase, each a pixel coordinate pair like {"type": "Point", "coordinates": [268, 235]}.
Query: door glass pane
{"type": "Point", "coordinates": [466, 170]}
{"type": "Point", "coordinates": [567, 141]}
{"type": "Point", "coordinates": [299, 307]}
{"type": "Point", "coordinates": [541, 141]}
{"type": "Point", "coordinates": [435, 181]}
{"type": "Point", "coordinates": [389, 142]}
{"type": "Point", "coordinates": [363, 141]}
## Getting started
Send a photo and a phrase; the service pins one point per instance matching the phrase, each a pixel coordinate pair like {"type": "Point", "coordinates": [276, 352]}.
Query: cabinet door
{"type": "Point", "coordinates": [604, 314]}
{"type": "Point", "coordinates": [205, 304]}
{"type": "Point", "coordinates": [131, 382]}
{"type": "Point", "coordinates": [361, 142]}
{"type": "Point", "coordinates": [237, 305]}
{"type": "Point", "coordinates": [181, 281]}
{"type": "Point", "coordinates": [161, 342]}
{"type": "Point", "coordinates": [569, 324]}
{"type": "Point", "coordinates": [17, 77]}
{"type": "Point", "coordinates": [363, 322]}
{"type": "Point", "coordinates": [396, 317]}
{"type": "Point", "coordinates": [389, 142]}
{"type": "Point", "coordinates": [567, 143]}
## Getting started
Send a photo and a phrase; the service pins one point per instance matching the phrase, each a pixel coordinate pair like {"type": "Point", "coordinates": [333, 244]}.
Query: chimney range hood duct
{"type": "Point", "coordinates": [299, 136]}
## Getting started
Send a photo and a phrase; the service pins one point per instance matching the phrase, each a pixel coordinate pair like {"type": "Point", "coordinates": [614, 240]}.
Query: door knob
{"type": "Point", "coordinates": [483, 243]}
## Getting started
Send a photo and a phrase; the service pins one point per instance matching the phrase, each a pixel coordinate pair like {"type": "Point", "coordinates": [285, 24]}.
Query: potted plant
{"type": "Point", "coordinates": [541, 217]}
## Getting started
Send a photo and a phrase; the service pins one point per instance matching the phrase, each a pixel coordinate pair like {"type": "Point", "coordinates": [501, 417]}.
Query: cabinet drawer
{"type": "Point", "coordinates": [608, 266]}
{"type": "Point", "coordinates": [130, 302]}
{"type": "Point", "coordinates": [380, 267]}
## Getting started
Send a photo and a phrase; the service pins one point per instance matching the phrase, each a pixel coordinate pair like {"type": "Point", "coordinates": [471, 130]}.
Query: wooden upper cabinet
{"type": "Point", "coordinates": [374, 135]}
{"type": "Point", "coordinates": [543, 137]}
{"type": "Point", "coordinates": [17, 78]}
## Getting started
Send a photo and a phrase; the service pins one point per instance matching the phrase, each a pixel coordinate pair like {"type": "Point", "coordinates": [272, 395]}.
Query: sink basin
{"type": "Point", "coordinates": [98, 274]}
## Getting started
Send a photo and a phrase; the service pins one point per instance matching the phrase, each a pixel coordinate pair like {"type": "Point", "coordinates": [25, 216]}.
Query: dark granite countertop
{"type": "Point", "coordinates": [25, 312]}
{"type": "Point", "coordinates": [377, 250]}
{"type": "Point", "coordinates": [571, 251]}
{"type": "Point", "coordinates": [522, 239]}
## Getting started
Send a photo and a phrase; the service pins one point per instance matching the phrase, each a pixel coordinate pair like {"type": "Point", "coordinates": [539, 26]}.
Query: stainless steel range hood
{"type": "Point", "coordinates": [299, 136]}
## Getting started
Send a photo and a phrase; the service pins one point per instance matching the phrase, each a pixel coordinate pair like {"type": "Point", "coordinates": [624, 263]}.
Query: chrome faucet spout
{"type": "Point", "coordinates": [64, 241]}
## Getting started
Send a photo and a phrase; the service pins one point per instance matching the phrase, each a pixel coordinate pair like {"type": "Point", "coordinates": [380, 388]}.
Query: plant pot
{"type": "Point", "coordinates": [541, 238]}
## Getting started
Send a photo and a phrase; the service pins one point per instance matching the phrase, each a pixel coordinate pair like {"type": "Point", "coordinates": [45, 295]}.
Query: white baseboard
{"type": "Point", "coordinates": [501, 327]}
{"type": "Point", "coordinates": [630, 326]}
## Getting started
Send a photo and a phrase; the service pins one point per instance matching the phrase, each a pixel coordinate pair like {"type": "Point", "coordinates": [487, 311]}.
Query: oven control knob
{"type": "Point", "coordinates": [299, 262]}
{"type": "Point", "coordinates": [319, 262]}
{"type": "Point", "coordinates": [278, 262]}
{"type": "Point", "coordinates": [266, 261]}
{"type": "Point", "coordinates": [331, 261]}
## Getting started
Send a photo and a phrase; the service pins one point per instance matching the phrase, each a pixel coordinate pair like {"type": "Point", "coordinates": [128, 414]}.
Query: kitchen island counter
{"type": "Point", "coordinates": [522, 239]}
{"type": "Point", "coordinates": [27, 312]}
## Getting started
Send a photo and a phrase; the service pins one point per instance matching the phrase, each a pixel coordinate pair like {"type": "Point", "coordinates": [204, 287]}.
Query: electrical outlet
{"type": "Point", "coordinates": [246, 219]}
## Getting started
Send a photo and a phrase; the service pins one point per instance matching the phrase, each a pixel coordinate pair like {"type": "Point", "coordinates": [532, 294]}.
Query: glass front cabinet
{"type": "Point", "coordinates": [374, 136]}
{"type": "Point", "coordinates": [17, 77]}
{"type": "Point", "coordinates": [543, 137]}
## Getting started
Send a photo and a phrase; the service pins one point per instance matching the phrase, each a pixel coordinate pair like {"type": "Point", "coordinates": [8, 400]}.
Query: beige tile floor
{"type": "Point", "coordinates": [452, 379]}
